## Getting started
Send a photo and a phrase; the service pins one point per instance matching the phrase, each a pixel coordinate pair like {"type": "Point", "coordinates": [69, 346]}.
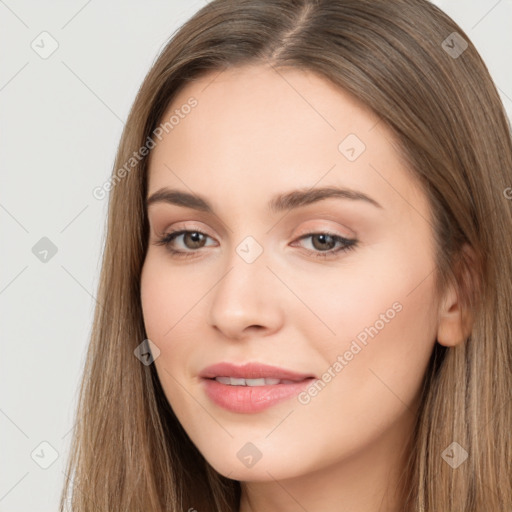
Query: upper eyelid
{"type": "Point", "coordinates": [320, 216]}
{"type": "Point", "coordinates": [302, 233]}
{"type": "Point", "coordinates": [182, 227]}
{"type": "Point", "coordinates": [174, 230]}
{"type": "Point", "coordinates": [180, 232]}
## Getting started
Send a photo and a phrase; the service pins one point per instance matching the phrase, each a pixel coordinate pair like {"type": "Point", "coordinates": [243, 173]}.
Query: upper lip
{"type": "Point", "coordinates": [251, 371]}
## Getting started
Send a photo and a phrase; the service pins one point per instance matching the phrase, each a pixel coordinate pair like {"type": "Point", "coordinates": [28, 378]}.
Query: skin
{"type": "Point", "coordinates": [256, 132]}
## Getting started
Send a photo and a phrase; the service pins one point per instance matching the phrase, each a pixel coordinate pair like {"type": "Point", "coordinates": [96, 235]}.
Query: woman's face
{"type": "Point", "coordinates": [266, 280]}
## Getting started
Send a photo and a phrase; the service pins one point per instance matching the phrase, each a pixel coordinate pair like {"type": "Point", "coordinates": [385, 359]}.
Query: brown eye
{"type": "Point", "coordinates": [194, 239]}
{"type": "Point", "coordinates": [323, 241]}
{"type": "Point", "coordinates": [324, 244]}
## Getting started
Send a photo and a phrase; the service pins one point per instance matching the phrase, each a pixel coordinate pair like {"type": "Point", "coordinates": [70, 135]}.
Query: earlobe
{"type": "Point", "coordinates": [452, 329]}
{"type": "Point", "coordinates": [455, 320]}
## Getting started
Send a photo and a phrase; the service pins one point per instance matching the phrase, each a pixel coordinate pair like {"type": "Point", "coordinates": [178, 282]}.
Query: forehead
{"type": "Point", "coordinates": [253, 103]}
{"type": "Point", "coordinates": [255, 128]}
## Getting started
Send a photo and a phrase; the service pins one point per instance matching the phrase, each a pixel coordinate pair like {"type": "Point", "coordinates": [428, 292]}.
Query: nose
{"type": "Point", "coordinates": [247, 301]}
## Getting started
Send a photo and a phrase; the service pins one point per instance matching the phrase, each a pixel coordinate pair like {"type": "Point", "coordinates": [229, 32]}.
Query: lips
{"type": "Point", "coordinates": [252, 371]}
{"type": "Point", "coordinates": [252, 387]}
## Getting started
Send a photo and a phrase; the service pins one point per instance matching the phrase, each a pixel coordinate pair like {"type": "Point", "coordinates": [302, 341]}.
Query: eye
{"type": "Point", "coordinates": [324, 244]}
{"type": "Point", "coordinates": [192, 239]}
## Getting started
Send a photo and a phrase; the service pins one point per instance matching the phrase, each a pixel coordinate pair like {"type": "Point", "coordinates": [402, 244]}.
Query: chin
{"type": "Point", "coordinates": [244, 461]}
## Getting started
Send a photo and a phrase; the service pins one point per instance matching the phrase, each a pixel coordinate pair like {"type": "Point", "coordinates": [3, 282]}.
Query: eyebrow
{"type": "Point", "coordinates": [279, 203]}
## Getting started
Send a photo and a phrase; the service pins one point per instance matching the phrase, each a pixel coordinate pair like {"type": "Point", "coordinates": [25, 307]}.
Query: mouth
{"type": "Point", "coordinates": [251, 388]}
{"type": "Point", "coordinates": [252, 374]}
{"type": "Point", "coordinates": [235, 381]}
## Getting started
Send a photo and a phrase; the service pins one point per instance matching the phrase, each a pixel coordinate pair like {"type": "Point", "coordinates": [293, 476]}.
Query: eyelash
{"type": "Point", "coordinates": [349, 244]}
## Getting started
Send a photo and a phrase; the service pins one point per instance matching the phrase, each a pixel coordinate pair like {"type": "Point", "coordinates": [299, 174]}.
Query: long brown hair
{"type": "Point", "coordinates": [403, 60]}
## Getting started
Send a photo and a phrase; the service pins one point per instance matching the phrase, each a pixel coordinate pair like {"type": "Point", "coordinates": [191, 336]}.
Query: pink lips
{"type": "Point", "coordinates": [251, 399]}
{"type": "Point", "coordinates": [251, 371]}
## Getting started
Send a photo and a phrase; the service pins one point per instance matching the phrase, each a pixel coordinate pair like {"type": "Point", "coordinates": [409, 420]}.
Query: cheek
{"type": "Point", "coordinates": [167, 306]}
{"type": "Point", "coordinates": [376, 381]}
{"type": "Point", "coordinates": [382, 289]}
{"type": "Point", "coordinates": [173, 318]}
{"type": "Point", "coordinates": [383, 315]}
{"type": "Point", "coordinates": [167, 298]}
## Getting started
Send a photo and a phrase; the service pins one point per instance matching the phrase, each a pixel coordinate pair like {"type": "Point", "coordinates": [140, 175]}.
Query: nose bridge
{"type": "Point", "coordinates": [243, 285]}
{"type": "Point", "coordinates": [247, 264]}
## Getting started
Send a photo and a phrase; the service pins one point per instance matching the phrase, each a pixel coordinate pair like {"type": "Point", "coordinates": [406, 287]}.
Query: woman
{"type": "Point", "coordinates": [306, 286]}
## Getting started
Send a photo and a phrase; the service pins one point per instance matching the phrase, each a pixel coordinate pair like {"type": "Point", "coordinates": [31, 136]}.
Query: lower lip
{"type": "Point", "coordinates": [251, 399]}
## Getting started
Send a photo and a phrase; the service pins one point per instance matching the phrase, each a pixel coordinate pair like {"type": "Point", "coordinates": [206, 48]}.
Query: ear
{"type": "Point", "coordinates": [455, 320]}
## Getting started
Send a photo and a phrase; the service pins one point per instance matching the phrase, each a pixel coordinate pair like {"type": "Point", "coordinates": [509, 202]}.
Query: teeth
{"type": "Point", "coordinates": [223, 380]}
{"type": "Point", "coordinates": [232, 381]}
{"type": "Point", "coordinates": [255, 382]}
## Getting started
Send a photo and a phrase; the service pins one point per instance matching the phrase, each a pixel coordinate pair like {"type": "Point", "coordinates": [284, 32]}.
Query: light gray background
{"type": "Point", "coordinates": [61, 119]}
